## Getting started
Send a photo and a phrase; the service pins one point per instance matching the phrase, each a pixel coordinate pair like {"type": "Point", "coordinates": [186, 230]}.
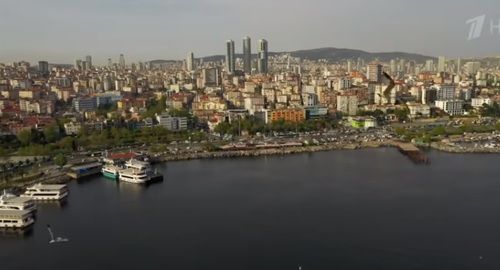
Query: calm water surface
{"type": "Point", "coordinates": [368, 209]}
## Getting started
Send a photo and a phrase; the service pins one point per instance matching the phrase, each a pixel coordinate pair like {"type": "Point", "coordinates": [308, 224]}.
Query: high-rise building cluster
{"type": "Point", "coordinates": [257, 84]}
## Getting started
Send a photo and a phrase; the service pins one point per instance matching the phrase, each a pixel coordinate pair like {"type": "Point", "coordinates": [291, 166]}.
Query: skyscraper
{"type": "Point", "coordinates": [190, 62]}
{"type": "Point", "coordinates": [263, 57]}
{"type": "Point", "coordinates": [230, 60]}
{"type": "Point", "coordinates": [393, 66]}
{"type": "Point", "coordinates": [374, 72]}
{"type": "Point", "coordinates": [110, 63]}
{"type": "Point", "coordinates": [429, 65]}
{"type": "Point", "coordinates": [43, 67]}
{"type": "Point", "coordinates": [459, 66]}
{"type": "Point", "coordinates": [441, 64]}
{"type": "Point", "coordinates": [88, 59]}
{"type": "Point", "coordinates": [247, 55]}
{"type": "Point", "coordinates": [78, 64]}
{"type": "Point", "coordinates": [84, 65]}
{"type": "Point", "coordinates": [122, 61]}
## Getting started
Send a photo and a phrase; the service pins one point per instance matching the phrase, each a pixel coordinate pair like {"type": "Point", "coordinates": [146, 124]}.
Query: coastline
{"type": "Point", "coordinates": [282, 151]}
{"type": "Point", "coordinates": [314, 148]}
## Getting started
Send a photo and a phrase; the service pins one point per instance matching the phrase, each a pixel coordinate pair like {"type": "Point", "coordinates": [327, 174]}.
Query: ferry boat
{"type": "Point", "coordinates": [13, 202]}
{"type": "Point", "coordinates": [111, 171]}
{"type": "Point", "coordinates": [16, 219]}
{"type": "Point", "coordinates": [135, 176]}
{"type": "Point", "coordinates": [138, 172]}
{"type": "Point", "coordinates": [138, 165]}
{"type": "Point", "coordinates": [46, 192]}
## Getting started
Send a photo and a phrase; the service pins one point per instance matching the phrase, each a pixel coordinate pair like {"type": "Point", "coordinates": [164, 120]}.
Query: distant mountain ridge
{"type": "Point", "coordinates": [341, 54]}
{"type": "Point", "coordinates": [334, 55]}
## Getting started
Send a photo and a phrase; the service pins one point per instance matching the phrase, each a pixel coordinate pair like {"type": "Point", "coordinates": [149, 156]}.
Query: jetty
{"type": "Point", "coordinates": [84, 170]}
{"type": "Point", "coordinates": [414, 153]}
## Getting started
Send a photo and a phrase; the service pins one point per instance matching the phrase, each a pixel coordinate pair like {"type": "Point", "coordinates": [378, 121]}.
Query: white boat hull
{"type": "Point", "coordinates": [46, 197]}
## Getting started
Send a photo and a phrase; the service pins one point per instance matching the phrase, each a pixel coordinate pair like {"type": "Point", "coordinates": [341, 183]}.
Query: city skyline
{"type": "Point", "coordinates": [63, 31]}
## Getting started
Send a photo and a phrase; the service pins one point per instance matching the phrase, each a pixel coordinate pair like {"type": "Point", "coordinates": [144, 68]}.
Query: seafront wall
{"type": "Point", "coordinates": [268, 152]}
{"type": "Point", "coordinates": [61, 177]}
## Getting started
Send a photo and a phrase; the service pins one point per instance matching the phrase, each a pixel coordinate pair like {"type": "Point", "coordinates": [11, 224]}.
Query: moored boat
{"type": "Point", "coordinates": [16, 219]}
{"type": "Point", "coordinates": [111, 171]}
{"type": "Point", "coordinates": [13, 202]}
{"type": "Point", "coordinates": [46, 192]}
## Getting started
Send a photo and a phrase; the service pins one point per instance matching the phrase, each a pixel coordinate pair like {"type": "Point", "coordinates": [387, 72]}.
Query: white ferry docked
{"type": "Point", "coordinates": [138, 172]}
{"type": "Point", "coordinates": [138, 165]}
{"type": "Point", "coordinates": [13, 202]}
{"type": "Point", "coordinates": [134, 176]}
{"type": "Point", "coordinates": [16, 219]}
{"type": "Point", "coordinates": [44, 192]}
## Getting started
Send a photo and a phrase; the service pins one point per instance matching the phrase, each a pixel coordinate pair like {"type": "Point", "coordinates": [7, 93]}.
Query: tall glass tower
{"type": "Point", "coordinates": [190, 61]}
{"type": "Point", "coordinates": [247, 55]}
{"type": "Point", "coordinates": [122, 61]}
{"type": "Point", "coordinates": [263, 57]}
{"type": "Point", "coordinates": [88, 59]}
{"type": "Point", "coordinates": [230, 60]}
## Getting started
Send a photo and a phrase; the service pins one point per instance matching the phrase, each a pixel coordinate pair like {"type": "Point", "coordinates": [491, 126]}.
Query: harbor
{"type": "Point", "coordinates": [17, 211]}
{"type": "Point", "coordinates": [230, 205]}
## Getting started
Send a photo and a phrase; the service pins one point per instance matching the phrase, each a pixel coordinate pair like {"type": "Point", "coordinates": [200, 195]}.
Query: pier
{"type": "Point", "coordinates": [84, 170]}
{"type": "Point", "coordinates": [413, 153]}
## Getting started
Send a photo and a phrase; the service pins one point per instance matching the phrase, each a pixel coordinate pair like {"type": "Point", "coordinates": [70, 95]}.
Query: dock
{"type": "Point", "coordinates": [413, 153]}
{"type": "Point", "coordinates": [84, 170]}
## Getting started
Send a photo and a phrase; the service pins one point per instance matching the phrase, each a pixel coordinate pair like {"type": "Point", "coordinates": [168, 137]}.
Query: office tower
{"type": "Point", "coordinates": [43, 67]}
{"type": "Point", "coordinates": [262, 64]}
{"type": "Point", "coordinates": [88, 59]}
{"type": "Point", "coordinates": [472, 67]}
{"type": "Point", "coordinates": [393, 66]}
{"type": "Point", "coordinates": [459, 65]}
{"type": "Point", "coordinates": [84, 65]}
{"type": "Point", "coordinates": [247, 55]}
{"type": "Point", "coordinates": [402, 66]}
{"type": "Point", "coordinates": [441, 64]}
{"type": "Point", "coordinates": [374, 72]}
{"type": "Point", "coordinates": [230, 60]}
{"type": "Point", "coordinates": [78, 64]}
{"type": "Point", "coordinates": [210, 77]}
{"type": "Point", "coordinates": [411, 67]}
{"type": "Point", "coordinates": [429, 65]}
{"type": "Point", "coordinates": [349, 66]}
{"type": "Point", "coordinates": [190, 62]}
{"type": "Point", "coordinates": [110, 63]}
{"type": "Point", "coordinates": [122, 61]}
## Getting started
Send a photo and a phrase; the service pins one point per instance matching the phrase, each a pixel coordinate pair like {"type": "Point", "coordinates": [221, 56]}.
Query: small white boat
{"type": "Point", "coordinates": [45, 192]}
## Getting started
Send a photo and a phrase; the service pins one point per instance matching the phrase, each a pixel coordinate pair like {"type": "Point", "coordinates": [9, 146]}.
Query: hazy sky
{"type": "Point", "coordinates": [63, 30]}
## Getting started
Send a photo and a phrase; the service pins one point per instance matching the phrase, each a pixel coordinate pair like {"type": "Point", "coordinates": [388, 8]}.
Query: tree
{"type": "Point", "coordinates": [25, 137]}
{"type": "Point", "coordinates": [60, 160]}
{"type": "Point", "coordinates": [51, 133]}
{"type": "Point", "coordinates": [402, 114]}
{"type": "Point", "coordinates": [67, 143]}
{"type": "Point", "coordinates": [490, 110]}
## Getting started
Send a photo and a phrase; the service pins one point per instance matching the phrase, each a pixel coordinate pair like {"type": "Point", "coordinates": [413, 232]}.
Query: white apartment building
{"type": "Point", "coordinates": [479, 101]}
{"type": "Point", "coordinates": [451, 107]}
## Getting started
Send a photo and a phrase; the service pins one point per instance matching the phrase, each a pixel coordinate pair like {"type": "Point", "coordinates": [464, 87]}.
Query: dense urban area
{"type": "Point", "coordinates": [53, 115]}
